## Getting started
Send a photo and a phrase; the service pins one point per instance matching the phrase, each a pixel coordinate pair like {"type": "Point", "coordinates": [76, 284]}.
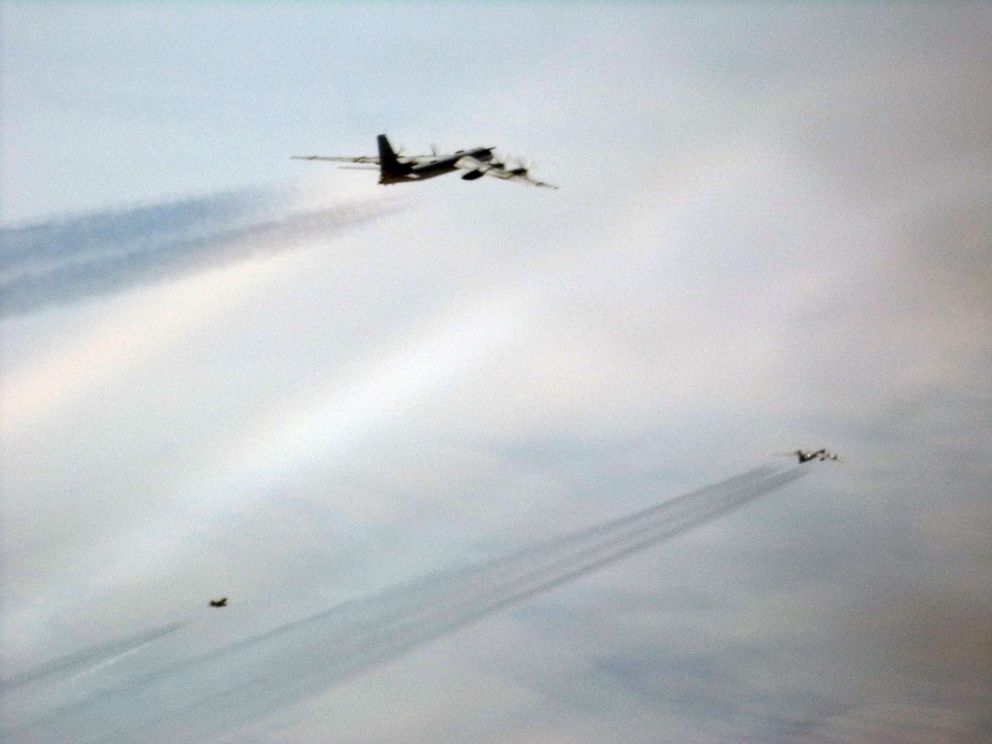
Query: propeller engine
{"type": "Point", "coordinates": [513, 165]}
{"type": "Point", "coordinates": [520, 166]}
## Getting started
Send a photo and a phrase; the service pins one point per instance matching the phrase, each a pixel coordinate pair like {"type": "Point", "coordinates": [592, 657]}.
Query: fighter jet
{"type": "Point", "coordinates": [222, 602]}
{"type": "Point", "coordinates": [395, 167]}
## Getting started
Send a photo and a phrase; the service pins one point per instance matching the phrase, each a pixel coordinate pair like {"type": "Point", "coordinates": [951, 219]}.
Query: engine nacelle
{"type": "Point", "coordinates": [472, 175]}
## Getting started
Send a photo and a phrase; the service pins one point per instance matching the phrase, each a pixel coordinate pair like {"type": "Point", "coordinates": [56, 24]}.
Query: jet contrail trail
{"type": "Point", "coordinates": [91, 658]}
{"type": "Point", "coordinates": [222, 690]}
{"type": "Point", "coordinates": [43, 245]}
{"type": "Point", "coordinates": [63, 261]}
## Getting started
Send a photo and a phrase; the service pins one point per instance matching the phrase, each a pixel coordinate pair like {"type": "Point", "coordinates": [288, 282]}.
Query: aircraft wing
{"type": "Point", "coordinates": [415, 159]}
{"type": "Point", "coordinates": [499, 170]}
{"type": "Point", "coordinates": [366, 159]}
{"type": "Point", "coordinates": [528, 180]}
{"type": "Point", "coordinates": [374, 159]}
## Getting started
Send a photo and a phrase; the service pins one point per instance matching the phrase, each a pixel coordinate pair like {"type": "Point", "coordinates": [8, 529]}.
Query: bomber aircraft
{"type": "Point", "coordinates": [820, 454]}
{"type": "Point", "coordinates": [222, 602]}
{"type": "Point", "coordinates": [395, 167]}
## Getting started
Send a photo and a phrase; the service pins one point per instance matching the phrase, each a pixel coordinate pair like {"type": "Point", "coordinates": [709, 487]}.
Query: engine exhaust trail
{"type": "Point", "coordinates": [89, 659]}
{"type": "Point", "coordinates": [62, 261]}
{"type": "Point", "coordinates": [224, 689]}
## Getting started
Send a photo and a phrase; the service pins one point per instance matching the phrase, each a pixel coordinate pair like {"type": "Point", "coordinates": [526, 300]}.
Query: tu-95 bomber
{"type": "Point", "coordinates": [396, 167]}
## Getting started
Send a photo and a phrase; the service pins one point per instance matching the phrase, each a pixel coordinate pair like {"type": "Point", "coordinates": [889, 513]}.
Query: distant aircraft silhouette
{"type": "Point", "coordinates": [222, 602]}
{"type": "Point", "coordinates": [820, 454]}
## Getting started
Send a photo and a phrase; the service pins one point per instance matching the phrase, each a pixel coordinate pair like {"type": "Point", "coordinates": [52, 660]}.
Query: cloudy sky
{"type": "Point", "coordinates": [225, 372]}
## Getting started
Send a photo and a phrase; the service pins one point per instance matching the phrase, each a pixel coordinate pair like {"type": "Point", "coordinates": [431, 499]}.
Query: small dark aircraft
{"type": "Point", "coordinates": [820, 454]}
{"type": "Point", "coordinates": [222, 602]}
{"type": "Point", "coordinates": [395, 167]}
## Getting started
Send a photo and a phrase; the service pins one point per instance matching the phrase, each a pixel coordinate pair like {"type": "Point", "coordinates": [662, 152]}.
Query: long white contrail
{"type": "Point", "coordinates": [64, 260]}
{"type": "Point", "coordinates": [223, 690]}
{"type": "Point", "coordinates": [89, 660]}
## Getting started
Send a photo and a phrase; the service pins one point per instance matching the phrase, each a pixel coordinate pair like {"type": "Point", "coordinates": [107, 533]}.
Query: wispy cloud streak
{"type": "Point", "coordinates": [62, 261]}
{"type": "Point", "coordinates": [219, 691]}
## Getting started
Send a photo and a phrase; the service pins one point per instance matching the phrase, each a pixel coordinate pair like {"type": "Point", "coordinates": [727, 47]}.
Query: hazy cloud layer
{"type": "Point", "coordinates": [772, 232]}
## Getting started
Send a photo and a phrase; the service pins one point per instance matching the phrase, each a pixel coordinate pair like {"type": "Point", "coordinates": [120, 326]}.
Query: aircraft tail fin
{"type": "Point", "coordinates": [388, 162]}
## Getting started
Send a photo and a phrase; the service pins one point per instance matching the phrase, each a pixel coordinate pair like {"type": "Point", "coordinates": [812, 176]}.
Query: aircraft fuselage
{"type": "Point", "coordinates": [401, 172]}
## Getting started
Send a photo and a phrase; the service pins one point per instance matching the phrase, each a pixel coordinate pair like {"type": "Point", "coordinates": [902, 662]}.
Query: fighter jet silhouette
{"type": "Point", "coordinates": [222, 602]}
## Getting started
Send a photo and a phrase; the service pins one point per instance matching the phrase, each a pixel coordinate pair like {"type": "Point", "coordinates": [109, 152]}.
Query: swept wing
{"type": "Point", "coordinates": [373, 159]}
{"type": "Point", "coordinates": [499, 170]}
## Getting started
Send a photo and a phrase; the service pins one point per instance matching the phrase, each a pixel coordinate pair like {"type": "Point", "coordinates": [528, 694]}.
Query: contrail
{"type": "Point", "coordinates": [90, 659]}
{"type": "Point", "coordinates": [222, 690]}
{"type": "Point", "coordinates": [62, 261]}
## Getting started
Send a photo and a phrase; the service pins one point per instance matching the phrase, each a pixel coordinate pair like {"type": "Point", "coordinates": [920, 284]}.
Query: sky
{"type": "Point", "coordinates": [225, 372]}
